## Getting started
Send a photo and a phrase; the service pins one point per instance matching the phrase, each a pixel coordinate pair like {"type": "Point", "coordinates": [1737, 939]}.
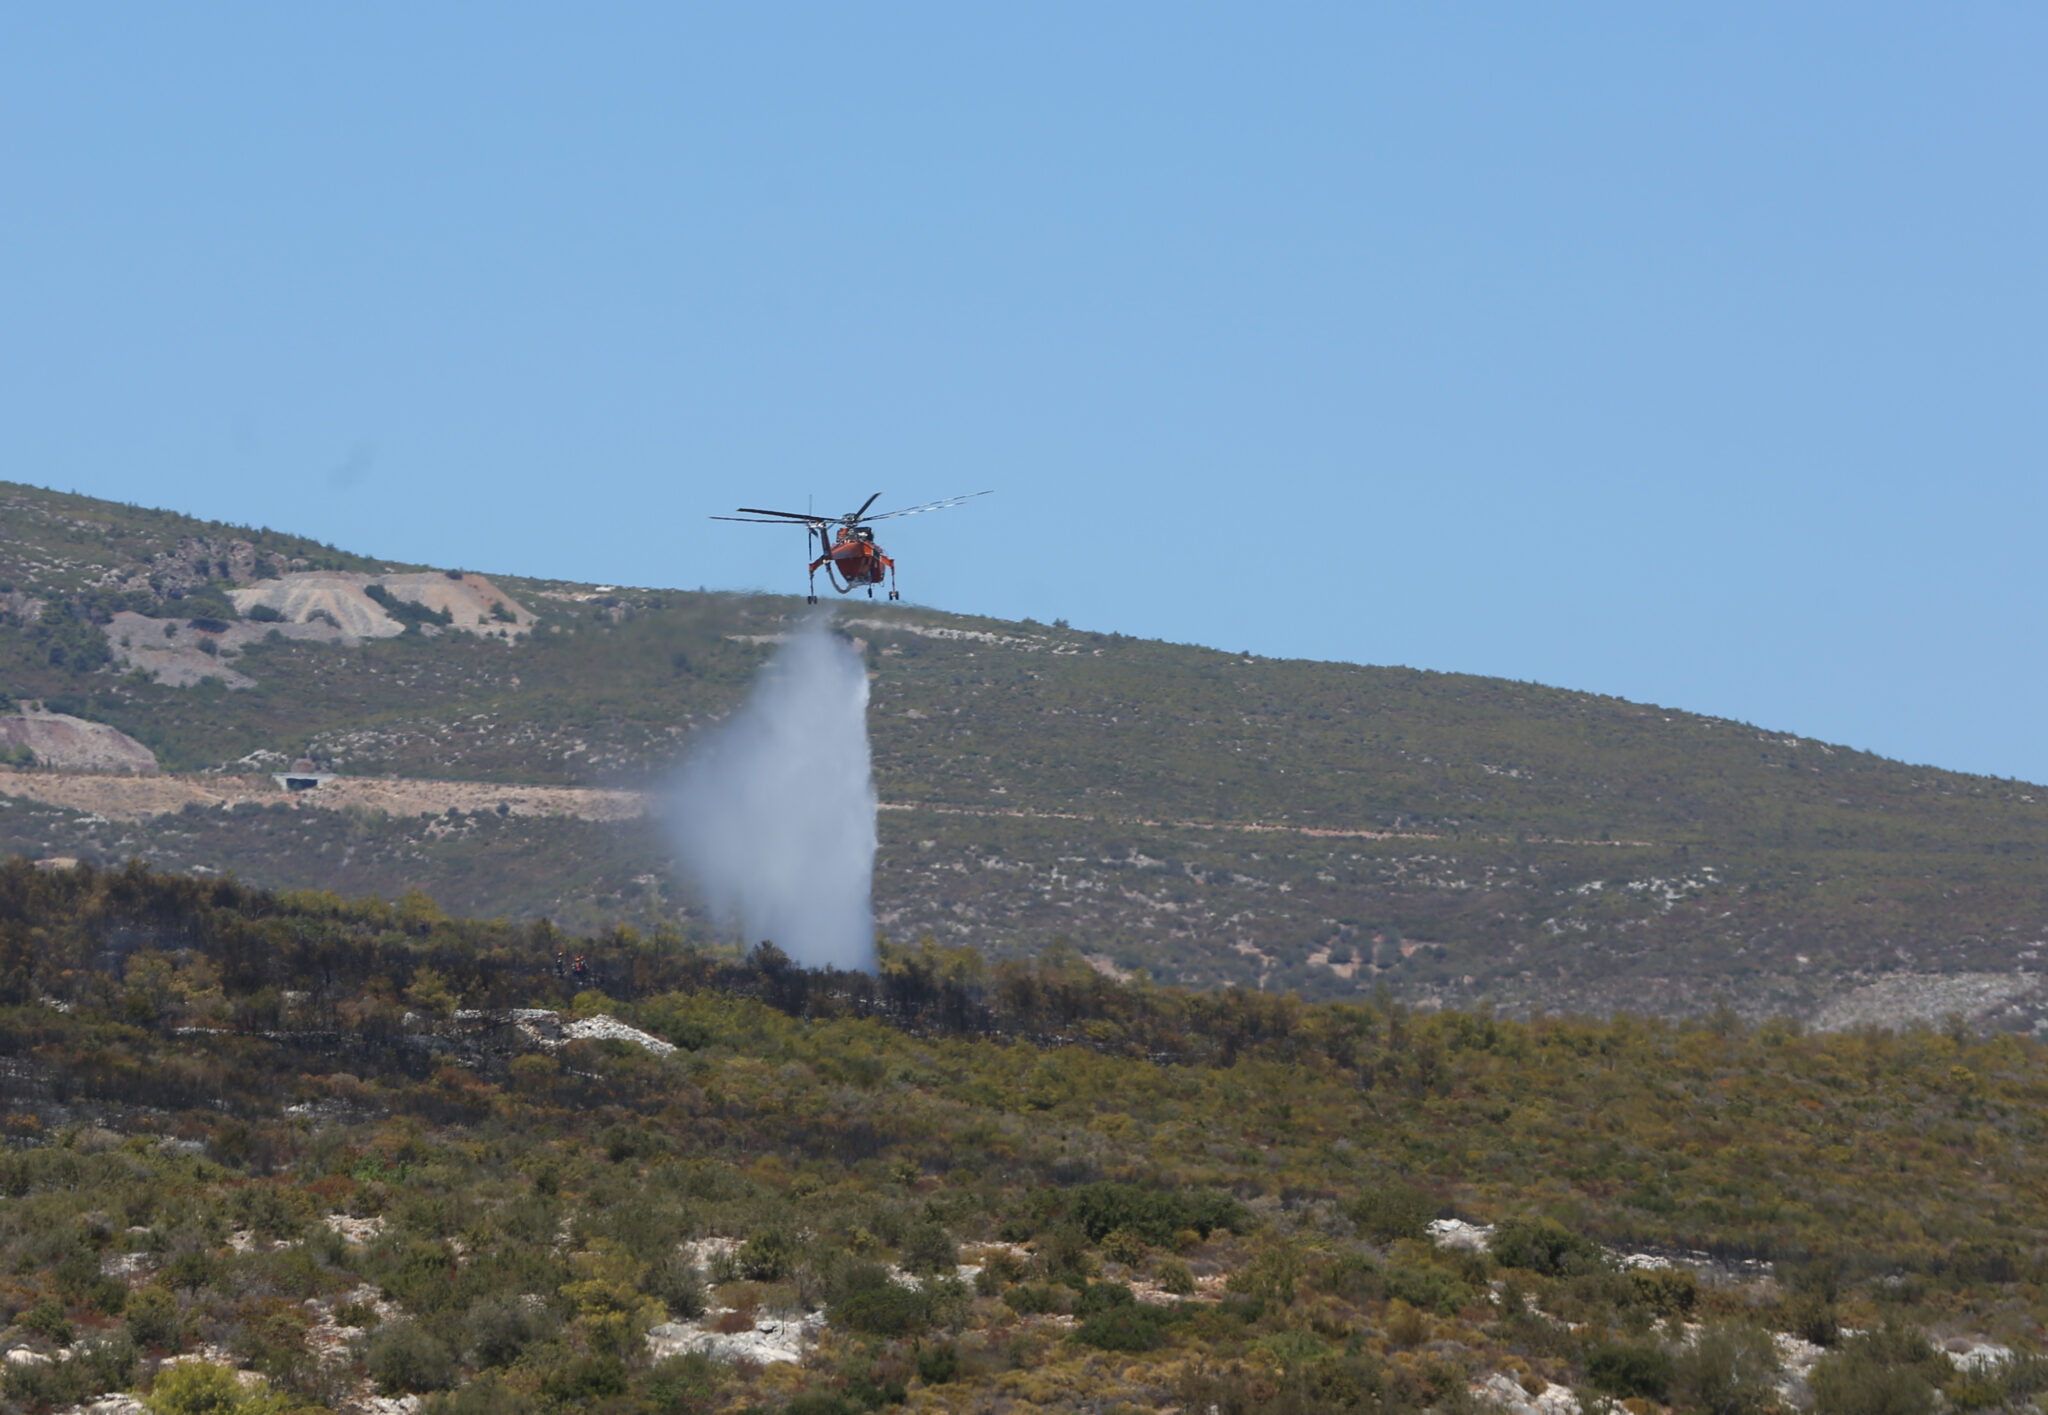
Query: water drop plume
{"type": "Point", "coordinates": [773, 813]}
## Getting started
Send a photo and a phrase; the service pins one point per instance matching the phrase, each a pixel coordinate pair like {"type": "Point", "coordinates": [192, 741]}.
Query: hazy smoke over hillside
{"type": "Point", "coordinates": [774, 813]}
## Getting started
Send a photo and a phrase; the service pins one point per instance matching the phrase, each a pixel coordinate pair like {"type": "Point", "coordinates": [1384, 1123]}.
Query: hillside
{"type": "Point", "coordinates": [1207, 818]}
{"type": "Point", "coordinates": [369, 1153]}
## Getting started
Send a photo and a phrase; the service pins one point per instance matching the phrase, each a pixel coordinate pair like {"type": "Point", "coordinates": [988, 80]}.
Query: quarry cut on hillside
{"type": "Point", "coordinates": [315, 606]}
{"type": "Point", "coordinates": [342, 600]}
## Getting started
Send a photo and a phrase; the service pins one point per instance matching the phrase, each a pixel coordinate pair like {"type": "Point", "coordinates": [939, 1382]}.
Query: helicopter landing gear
{"type": "Point", "coordinates": [810, 599]}
{"type": "Point", "coordinates": [894, 595]}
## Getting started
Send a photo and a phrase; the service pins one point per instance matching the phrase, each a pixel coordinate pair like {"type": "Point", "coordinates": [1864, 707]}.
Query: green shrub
{"type": "Point", "coordinates": [1103, 1297]}
{"type": "Point", "coordinates": [418, 1273]}
{"type": "Point", "coordinates": [1350, 1382]}
{"type": "Point", "coordinates": [1270, 1275]}
{"type": "Point", "coordinates": [1546, 1246]}
{"type": "Point", "coordinates": [1124, 1327]}
{"type": "Point", "coordinates": [1176, 1277]}
{"type": "Point", "coordinates": [874, 1387]}
{"type": "Point", "coordinates": [2020, 1379]}
{"type": "Point", "coordinates": [195, 1388]}
{"type": "Point", "coordinates": [1153, 1215]}
{"type": "Point", "coordinates": [1726, 1371]}
{"type": "Point", "coordinates": [152, 1316]}
{"type": "Point", "coordinates": [871, 1303]}
{"type": "Point", "coordinates": [271, 1336]}
{"type": "Point", "coordinates": [1811, 1317]}
{"type": "Point", "coordinates": [499, 1330]}
{"type": "Point", "coordinates": [1625, 1369]}
{"type": "Point", "coordinates": [674, 1281]}
{"type": "Point", "coordinates": [624, 1142]}
{"type": "Point", "coordinates": [928, 1248]}
{"type": "Point", "coordinates": [683, 1382]}
{"type": "Point", "coordinates": [272, 1211]}
{"type": "Point", "coordinates": [1809, 1312]}
{"type": "Point", "coordinates": [404, 1357]}
{"type": "Point", "coordinates": [584, 1380]}
{"type": "Point", "coordinates": [431, 994]}
{"type": "Point", "coordinates": [1353, 1277]}
{"type": "Point", "coordinates": [936, 1365]}
{"type": "Point", "coordinates": [1293, 1350]}
{"type": "Point", "coordinates": [488, 1394]}
{"type": "Point", "coordinates": [767, 1256]}
{"type": "Point", "coordinates": [1427, 1289]}
{"type": "Point", "coordinates": [1891, 1371]}
{"type": "Point", "coordinates": [1126, 1246]}
{"type": "Point", "coordinates": [204, 1388]}
{"type": "Point", "coordinates": [207, 606]}
{"type": "Point", "coordinates": [69, 640]}
{"type": "Point", "coordinates": [1033, 1298]}
{"type": "Point", "coordinates": [1601, 1298]}
{"type": "Point", "coordinates": [1816, 1277]}
{"type": "Point", "coordinates": [406, 611]}
{"type": "Point", "coordinates": [1391, 1209]}
{"type": "Point", "coordinates": [1669, 1292]}
{"type": "Point", "coordinates": [46, 1319]}
{"type": "Point", "coordinates": [999, 1268]}
{"type": "Point", "coordinates": [1063, 1252]}
{"type": "Point", "coordinates": [362, 1315]}
{"type": "Point", "coordinates": [824, 1402]}
{"type": "Point", "coordinates": [97, 1365]}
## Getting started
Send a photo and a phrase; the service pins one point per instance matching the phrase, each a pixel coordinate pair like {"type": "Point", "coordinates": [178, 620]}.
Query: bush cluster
{"type": "Point", "coordinates": [533, 1223]}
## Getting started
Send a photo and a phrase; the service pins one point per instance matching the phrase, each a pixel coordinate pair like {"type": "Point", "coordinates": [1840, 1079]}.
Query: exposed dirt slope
{"type": "Point", "coordinates": [59, 740]}
{"type": "Point", "coordinates": [334, 595]}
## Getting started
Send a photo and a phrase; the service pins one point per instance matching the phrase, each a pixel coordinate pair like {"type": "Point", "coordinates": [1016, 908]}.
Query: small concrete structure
{"type": "Point", "coordinates": [301, 780]}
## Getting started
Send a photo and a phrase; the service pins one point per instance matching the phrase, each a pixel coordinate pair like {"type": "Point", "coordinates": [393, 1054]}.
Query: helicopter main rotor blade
{"type": "Point", "coordinates": [863, 509]}
{"type": "Point", "coordinates": [756, 520]}
{"type": "Point", "coordinates": [792, 515]}
{"type": "Point", "coordinates": [929, 505]}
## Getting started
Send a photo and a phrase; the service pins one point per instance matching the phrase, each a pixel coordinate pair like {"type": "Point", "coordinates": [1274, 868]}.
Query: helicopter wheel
{"type": "Point", "coordinates": [894, 595]}
{"type": "Point", "coordinates": [810, 599]}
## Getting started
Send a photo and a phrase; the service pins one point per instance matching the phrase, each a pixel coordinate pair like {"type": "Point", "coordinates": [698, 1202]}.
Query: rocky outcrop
{"type": "Point", "coordinates": [1987, 1001]}
{"type": "Point", "coordinates": [196, 562]}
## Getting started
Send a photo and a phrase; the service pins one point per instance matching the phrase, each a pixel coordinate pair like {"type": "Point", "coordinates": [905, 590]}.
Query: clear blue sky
{"type": "Point", "coordinates": [1693, 354]}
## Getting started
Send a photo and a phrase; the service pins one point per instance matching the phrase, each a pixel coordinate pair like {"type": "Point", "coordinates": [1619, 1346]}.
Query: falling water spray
{"type": "Point", "coordinates": [773, 814]}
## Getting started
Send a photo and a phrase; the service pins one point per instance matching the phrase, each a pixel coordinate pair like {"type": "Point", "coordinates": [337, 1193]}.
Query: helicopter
{"type": "Point", "coordinates": [849, 555]}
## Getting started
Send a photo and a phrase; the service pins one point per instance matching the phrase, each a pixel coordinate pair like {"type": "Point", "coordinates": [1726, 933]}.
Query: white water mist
{"type": "Point", "coordinates": [774, 812]}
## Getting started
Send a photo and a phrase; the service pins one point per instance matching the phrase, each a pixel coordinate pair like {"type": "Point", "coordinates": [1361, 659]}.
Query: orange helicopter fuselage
{"type": "Point", "coordinates": [856, 560]}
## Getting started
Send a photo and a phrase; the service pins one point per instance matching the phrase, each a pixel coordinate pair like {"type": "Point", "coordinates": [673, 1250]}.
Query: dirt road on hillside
{"type": "Point", "coordinates": [139, 797]}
